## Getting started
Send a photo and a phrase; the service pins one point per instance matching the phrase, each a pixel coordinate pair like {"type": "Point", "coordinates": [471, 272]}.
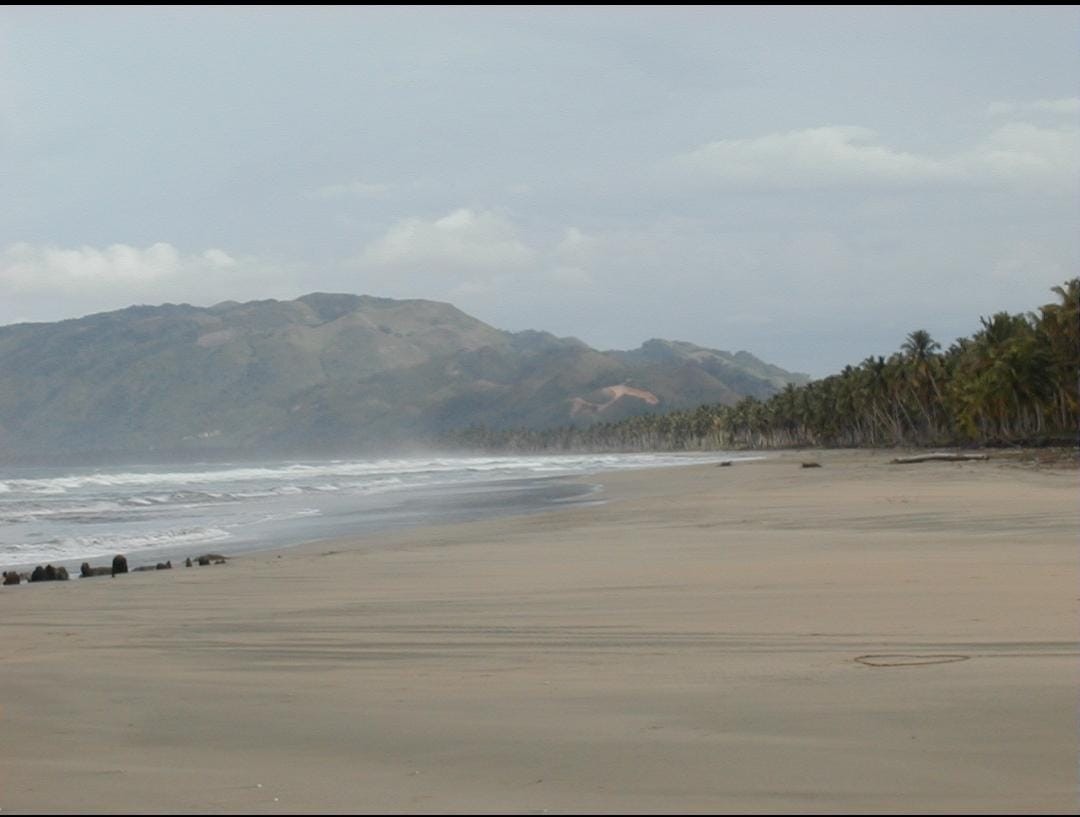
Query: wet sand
{"type": "Point", "coordinates": [762, 638]}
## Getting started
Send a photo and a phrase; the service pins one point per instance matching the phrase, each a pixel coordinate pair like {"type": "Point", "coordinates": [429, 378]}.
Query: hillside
{"type": "Point", "coordinates": [325, 373]}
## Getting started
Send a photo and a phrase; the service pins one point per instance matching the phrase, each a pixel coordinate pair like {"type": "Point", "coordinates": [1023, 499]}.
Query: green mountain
{"type": "Point", "coordinates": [325, 373]}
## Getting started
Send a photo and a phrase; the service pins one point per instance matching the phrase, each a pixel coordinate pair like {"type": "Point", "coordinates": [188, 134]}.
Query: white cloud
{"type": "Point", "coordinates": [476, 258]}
{"type": "Point", "coordinates": [1016, 153]}
{"type": "Point", "coordinates": [1024, 154]}
{"type": "Point", "coordinates": [28, 268]}
{"type": "Point", "coordinates": [219, 258]}
{"type": "Point", "coordinates": [835, 156]}
{"type": "Point", "coordinates": [466, 239]}
{"type": "Point", "coordinates": [121, 274]}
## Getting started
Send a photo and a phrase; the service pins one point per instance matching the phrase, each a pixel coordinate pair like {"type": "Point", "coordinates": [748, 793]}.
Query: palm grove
{"type": "Point", "coordinates": [1014, 380]}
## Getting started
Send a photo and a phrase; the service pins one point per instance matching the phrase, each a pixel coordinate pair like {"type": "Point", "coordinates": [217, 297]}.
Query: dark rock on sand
{"type": "Point", "coordinates": [49, 574]}
{"type": "Point", "coordinates": [86, 571]}
{"type": "Point", "coordinates": [11, 577]}
{"type": "Point", "coordinates": [119, 565]}
{"type": "Point", "coordinates": [211, 558]}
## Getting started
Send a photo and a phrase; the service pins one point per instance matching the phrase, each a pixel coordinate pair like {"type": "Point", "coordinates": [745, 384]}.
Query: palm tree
{"type": "Point", "coordinates": [1058, 326]}
{"type": "Point", "coordinates": [918, 352]}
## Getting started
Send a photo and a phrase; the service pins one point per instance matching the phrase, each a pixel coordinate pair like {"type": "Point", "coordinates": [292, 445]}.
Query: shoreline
{"type": "Point", "coordinates": [1052, 459]}
{"type": "Point", "coordinates": [762, 638]}
{"type": "Point", "coordinates": [313, 512]}
{"type": "Point", "coordinates": [235, 550]}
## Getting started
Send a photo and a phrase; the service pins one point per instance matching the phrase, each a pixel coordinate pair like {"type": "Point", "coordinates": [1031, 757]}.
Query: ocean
{"type": "Point", "coordinates": [65, 516]}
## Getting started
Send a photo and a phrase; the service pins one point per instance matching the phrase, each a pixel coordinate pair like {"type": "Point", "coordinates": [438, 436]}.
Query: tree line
{"type": "Point", "coordinates": [1015, 380]}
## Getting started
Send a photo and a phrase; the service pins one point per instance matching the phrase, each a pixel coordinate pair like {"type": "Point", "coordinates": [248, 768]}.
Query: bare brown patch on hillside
{"type": "Point", "coordinates": [579, 405]}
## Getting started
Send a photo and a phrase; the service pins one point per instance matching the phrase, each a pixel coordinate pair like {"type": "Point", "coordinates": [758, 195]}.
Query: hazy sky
{"type": "Point", "coordinates": [806, 184]}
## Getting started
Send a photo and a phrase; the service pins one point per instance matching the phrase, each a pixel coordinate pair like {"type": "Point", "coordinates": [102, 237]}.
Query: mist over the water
{"type": "Point", "coordinates": [153, 513]}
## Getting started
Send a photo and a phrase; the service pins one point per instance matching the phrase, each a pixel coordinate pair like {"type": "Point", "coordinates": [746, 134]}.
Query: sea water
{"type": "Point", "coordinates": [65, 516]}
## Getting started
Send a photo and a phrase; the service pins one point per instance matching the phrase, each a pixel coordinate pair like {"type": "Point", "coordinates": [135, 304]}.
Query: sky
{"type": "Point", "coordinates": [807, 184]}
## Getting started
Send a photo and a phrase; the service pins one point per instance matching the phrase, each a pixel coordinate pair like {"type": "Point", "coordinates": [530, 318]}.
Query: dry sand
{"type": "Point", "coordinates": [762, 638]}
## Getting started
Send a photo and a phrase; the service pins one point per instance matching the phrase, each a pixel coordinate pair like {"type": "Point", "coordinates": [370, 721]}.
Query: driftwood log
{"type": "Point", "coordinates": [941, 457]}
{"type": "Point", "coordinates": [159, 566]}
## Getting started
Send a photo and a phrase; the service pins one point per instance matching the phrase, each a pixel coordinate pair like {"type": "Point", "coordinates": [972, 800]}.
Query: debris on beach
{"type": "Point", "coordinates": [49, 574]}
{"type": "Point", "coordinates": [939, 456]}
{"type": "Point", "coordinates": [811, 465]}
{"type": "Point", "coordinates": [119, 564]}
{"type": "Point", "coordinates": [211, 558]}
{"type": "Point", "coordinates": [159, 566]}
{"type": "Point", "coordinates": [87, 571]}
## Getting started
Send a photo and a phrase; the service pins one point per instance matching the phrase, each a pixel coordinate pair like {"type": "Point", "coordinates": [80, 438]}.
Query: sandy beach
{"type": "Point", "coordinates": [760, 638]}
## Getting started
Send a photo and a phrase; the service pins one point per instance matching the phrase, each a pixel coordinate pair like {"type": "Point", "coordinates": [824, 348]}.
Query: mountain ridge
{"type": "Point", "coordinates": [326, 372]}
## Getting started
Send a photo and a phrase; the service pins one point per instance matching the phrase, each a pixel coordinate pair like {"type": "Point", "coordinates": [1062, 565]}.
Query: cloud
{"type": "Point", "coordinates": [850, 157]}
{"type": "Point", "coordinates": [219, 258]}
{"type": "Point", "coordinates": [27, 268]}
{"type": "Point", "coordinates": [476, 240]}
{"type": "Point", "coordinates": [121, 274]}
{"type": "Point", "coordinates": [1024, 154]}
{"type": "Point", "coordinates": [573, 258]}
{"type": "Point", "coordinates": [477, 259]}
{"type": "Point", "coordinates": [835, 156]}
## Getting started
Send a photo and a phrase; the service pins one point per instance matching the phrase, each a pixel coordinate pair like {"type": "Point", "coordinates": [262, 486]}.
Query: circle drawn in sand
{"type": "Point", "coordinates": [909, 660]}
